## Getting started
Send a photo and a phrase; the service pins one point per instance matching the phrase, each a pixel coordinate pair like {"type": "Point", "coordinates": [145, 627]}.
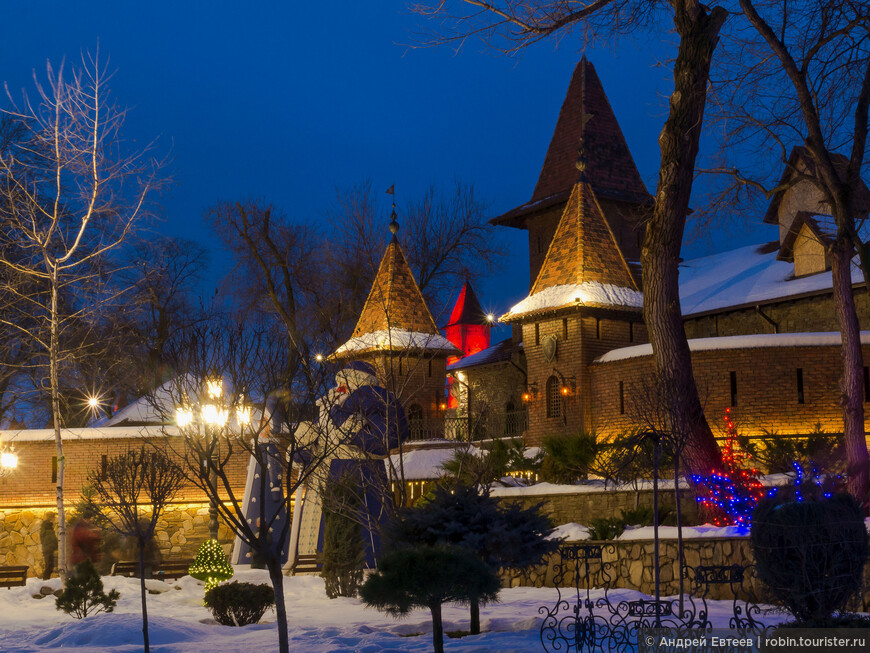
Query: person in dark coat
{"type": "Point", "coordinates": [48, 539]}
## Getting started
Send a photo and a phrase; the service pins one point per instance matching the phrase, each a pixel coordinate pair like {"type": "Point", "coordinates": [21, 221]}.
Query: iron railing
{"type": "Point", "coordinates": [469, 428]}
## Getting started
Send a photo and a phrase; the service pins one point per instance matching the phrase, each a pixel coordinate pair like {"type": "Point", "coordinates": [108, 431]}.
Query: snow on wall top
{"type": "Point", "coordinates": [395, 339]}
{"type": "Point", "coordinates": [577, 294]}
{"type": "Point", "coordinates": [88, 433]}
{"type": "Point", "coordinates": [822, 339]}
{"type": "Point", "coordinates": [747, 275]}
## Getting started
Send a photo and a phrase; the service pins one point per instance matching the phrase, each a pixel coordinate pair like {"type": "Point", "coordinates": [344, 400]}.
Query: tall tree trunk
{"type": "Point", "coordinates": [53, 355]}
{"type": "Point", "coordinates": [474, 626]}
{"type": "Point", "coordinates": [852, 381]}
{"type": "Point", "coordinates": [277, 578]}
{"type": "Point", "coordinates": [143, 594]}
{"type": "Point", "coordinates": [437, 627]}
{"type": "Point", "coordinates": [699, 34]}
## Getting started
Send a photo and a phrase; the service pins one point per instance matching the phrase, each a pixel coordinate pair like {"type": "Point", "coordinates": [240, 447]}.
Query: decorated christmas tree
{"type": "Point", "coordinates": [210, 565]}
{"type": "Point", "coordinates": [730, 494]}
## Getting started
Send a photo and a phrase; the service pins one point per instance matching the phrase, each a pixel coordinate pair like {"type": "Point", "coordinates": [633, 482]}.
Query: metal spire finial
{"type": "Point", "coordinates": [394, 225]}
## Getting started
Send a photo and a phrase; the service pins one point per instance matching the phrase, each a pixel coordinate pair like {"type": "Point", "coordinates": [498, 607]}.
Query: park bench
{"type": "Point", "coordinates": [166, 570]}
{"type": "Point", "coordinates": [13, 576]}
{"type": "Point", "coordinates": [172, 569]}
{"type": "Point", "coordinates": [306, 564]}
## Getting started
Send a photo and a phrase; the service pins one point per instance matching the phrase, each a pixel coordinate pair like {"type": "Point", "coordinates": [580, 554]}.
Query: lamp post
{"type": "Point", "coordinates": [209, 420]}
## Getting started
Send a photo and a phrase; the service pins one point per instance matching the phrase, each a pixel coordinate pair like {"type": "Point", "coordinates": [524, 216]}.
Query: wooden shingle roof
{"type": "Point", "coordinates": [395, 300]}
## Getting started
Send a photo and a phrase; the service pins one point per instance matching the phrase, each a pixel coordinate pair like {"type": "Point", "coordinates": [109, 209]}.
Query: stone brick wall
{"type": "Point", "coordinates": [631, 565]}
{"type": "Point", "coordinates": [766, 383]}
{"type": "Point", "coordinates": [179, 533]}
{"type": "Point", "coordinates": [805, 314]}
{"type": "Point", "coordinates": [589, 335]}
{"type": "Point", "coordinates": [414, 379]}
{"type": "Point", "coordinates": [583, 507]}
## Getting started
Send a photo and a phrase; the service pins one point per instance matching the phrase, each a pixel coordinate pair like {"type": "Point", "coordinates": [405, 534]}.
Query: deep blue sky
{"type": "Point", "coordinates": [289, 101]}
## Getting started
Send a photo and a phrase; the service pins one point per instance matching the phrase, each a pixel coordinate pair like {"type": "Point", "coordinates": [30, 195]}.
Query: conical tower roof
{"type": "Point", "coordinates": [583, 266]}
{"type": "Point", "coordinates": [467, 309]}
{"type": "Point", "coordinates": [395, 300]}
{"type": "Point", "coordinates": [395, 315]}
{"type": "Point", "coordinates": [611, 170]}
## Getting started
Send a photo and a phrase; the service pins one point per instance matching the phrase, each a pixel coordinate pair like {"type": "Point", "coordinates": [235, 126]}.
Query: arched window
{"type": "Point", "coordinates": [554, 397]}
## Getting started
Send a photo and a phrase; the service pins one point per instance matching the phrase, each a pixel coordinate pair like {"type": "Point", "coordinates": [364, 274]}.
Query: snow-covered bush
{"type": "Point", "coordinates": [83, 593]}
{"type": "Point", "coordinates": [239, 604]}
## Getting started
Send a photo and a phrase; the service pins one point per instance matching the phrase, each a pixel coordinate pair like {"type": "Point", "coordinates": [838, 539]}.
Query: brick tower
{"type": "Point", "coordinates": [396, 333]}
{"type": "Point", "coordinates": [584, 236]}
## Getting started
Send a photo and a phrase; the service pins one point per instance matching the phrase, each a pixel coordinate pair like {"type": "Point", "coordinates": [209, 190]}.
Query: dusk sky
{"type": "Point", "coordinates": [289, 101]}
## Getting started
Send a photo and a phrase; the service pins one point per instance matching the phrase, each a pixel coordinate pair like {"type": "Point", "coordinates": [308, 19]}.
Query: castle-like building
{"type": "Point", "coordinates": [760, 319]}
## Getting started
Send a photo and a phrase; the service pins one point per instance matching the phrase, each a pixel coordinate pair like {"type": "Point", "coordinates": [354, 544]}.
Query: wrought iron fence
{"type": "Point", "coordinates": [469, 428]}
{"type": "Point", "coordinates": [578, 622]}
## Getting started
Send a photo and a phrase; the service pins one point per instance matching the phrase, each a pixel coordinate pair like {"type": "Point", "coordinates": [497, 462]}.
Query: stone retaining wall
{"type": "Point", "coordinates": [582, 507]}
{"type": "Point", "coordinates": [179, 533]}
{"type": "Point", "coordinates": [630, 564]}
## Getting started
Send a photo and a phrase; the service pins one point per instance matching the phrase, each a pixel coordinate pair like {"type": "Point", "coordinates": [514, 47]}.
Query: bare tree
{"type": "Point", "coordinates": [796, 86]}
{"type": "Point", "coordinates": [132, 494]}
{"type": "Point", "coordinates": [509, 26]}
{"type": "Point", "coordinates": [445, 236]}
{"type": "Point", "coordinates": [227, 372]}
{"type": "Point", "coordinates": [71, 197]}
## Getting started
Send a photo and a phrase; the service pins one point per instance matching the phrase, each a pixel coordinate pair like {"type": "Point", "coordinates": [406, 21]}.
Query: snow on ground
{"type": "Point", "coordinates": [178, 623]}
{"type": "Point", "coordinates": [573, 532]}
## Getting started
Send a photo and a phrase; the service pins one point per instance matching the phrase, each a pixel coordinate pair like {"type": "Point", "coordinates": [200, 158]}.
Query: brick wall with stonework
{"type": "Point", "coordinates": [414, 379]}
{"type": "Point", "coordinates": [180, 531]}
{"type": "Point", "coordinates": [630, 564]}
{"type": "Point", "coordinates": [798, 315]}
{"type": "Point", "coordinates": [766, 389]}
{"type": "Point", "coordinates": [589, 335]}
{"type": "Point", "coordinates": [33, 481]}
{"type": "Point", "coordinates": [583, 507]}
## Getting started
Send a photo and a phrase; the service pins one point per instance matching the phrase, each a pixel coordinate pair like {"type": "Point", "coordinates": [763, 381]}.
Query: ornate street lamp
{"type": "Point", "coordinates": [209, 419]}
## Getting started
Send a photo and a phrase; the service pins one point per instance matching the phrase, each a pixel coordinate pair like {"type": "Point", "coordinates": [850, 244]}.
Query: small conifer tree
{"type": "Point", "coordinates": [427, 577]}
{"type": "Point", "coordinates": [343, 552]}
{"type": "Point", "coordinates": [83, 593]}
{"type": "Point", "coordinates": [210, 565]}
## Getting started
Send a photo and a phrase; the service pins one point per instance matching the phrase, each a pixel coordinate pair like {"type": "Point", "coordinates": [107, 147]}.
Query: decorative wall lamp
{"type": "Point", "coordinates": [531, 393]}
{"type": "Point", "coordinates": [569, 386]}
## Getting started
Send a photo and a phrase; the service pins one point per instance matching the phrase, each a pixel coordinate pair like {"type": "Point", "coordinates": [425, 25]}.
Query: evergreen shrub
{"type": "Point", "coordinates": [810, 554]}
{"type": "Point", "coordinates": [568, 457]}
{"type": "Point", "coordinates": [83, 593]}
{"type": "Point", "coordinates": [210, 564]}
{"type": "Point", "coordinates": [606, 528]}
{"type": "Point", "coordinates": [343, 552]}
{"type": "Point", "coordinates": [239, 604]}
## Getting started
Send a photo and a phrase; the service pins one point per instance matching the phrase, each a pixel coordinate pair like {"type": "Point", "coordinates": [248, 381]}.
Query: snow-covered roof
{"type": "Point", "coordinates": [811, 339]}
{"type": "Point", "coordinates": [745, 276]}
{"type": "Point", "coordinates": [395, 340]}
{"type": "Point", "coordinates": [589, 293]}
{"type": "Point", "coordinates": [499, 352]}
{"type": "Point", "coordinates": [425, 464]}
{"type": "Point", "coordinates": [88, 433]}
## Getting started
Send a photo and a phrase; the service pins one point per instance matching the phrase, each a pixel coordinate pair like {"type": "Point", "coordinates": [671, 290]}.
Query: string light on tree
{"type": "Point", "coordinates": [732, 493]}
{"type": "Point", "coordinates": [210, 565]}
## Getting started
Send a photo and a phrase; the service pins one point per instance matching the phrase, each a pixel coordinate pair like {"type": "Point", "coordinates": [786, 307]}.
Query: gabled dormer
{"type": "Point", "coordinates": [806, 243]}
